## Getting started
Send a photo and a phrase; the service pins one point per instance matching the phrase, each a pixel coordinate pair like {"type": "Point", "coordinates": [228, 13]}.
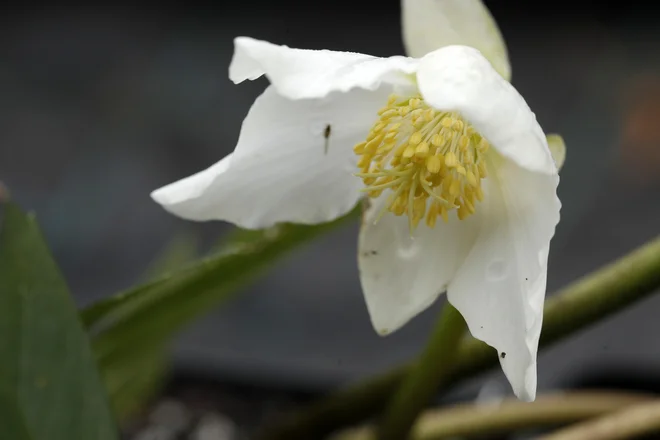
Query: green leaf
{"type": "Point", "coordinates": [133, 379]}
{"type": "Point", "coordinates": [151, 314]}
{"type": "Point", "coordinates": [12, 423]}
{"type": "Point", "coordinates": [48, 378]}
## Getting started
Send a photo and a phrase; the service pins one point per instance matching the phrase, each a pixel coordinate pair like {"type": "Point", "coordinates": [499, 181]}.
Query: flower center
{"type": "Point", "coordinates": [430, 161]}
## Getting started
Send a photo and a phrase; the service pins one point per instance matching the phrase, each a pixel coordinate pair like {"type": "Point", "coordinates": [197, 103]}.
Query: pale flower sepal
{"type": "Point", "coordinates": [431, 24]}
{"type": "Point", "coordinates": [557, 149]}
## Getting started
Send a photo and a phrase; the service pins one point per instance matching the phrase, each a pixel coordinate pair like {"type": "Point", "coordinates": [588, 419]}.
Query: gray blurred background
{"type": "Point", "coordinates": [100, 105]}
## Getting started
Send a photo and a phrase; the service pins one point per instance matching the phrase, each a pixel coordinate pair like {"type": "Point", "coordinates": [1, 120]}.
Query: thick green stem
{"type": "Point", "coordinates": [583, 302]}
{"type": "Point", "coordinates": [424, 378]}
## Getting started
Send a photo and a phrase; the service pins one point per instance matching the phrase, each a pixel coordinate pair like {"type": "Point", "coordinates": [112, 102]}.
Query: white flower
{"type": "Point", "coordinates": [428, 25]}
{"type": "Point", "coordinates": [441, 137]}
{"type": "Point", "coordinates": [431, 24]}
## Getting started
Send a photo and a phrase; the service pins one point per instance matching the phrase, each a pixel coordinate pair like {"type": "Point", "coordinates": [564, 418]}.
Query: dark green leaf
{"type": "Point", "coordinates": [12, 423]}
{"type": "Point", "coordinates": [133, 379]}
{"type": "Point", "coordinates": [48, 377]}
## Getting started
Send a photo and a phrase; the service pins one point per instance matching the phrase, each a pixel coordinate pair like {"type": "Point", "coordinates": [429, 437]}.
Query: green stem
{"type": "Point", "coordinates": [424, 378]}
{"type": "Point", "coordinates": [581, 303]}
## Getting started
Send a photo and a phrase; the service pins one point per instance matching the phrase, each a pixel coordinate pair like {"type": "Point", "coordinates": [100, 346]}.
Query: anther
{"type": "Point", "coordinates": [422, 150]}
{"type": "Point", "coordinates": [433, 164]}
{"type": "Point", "coordinates": [416, 138]}
{"type": "Point", "coordinates": [450, 159]}
{"type": "Point", "coordinates": [424, 161]}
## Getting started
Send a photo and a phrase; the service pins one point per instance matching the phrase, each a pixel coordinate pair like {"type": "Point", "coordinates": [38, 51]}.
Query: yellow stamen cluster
{"type": "Point", "coordinates": [431, 161]}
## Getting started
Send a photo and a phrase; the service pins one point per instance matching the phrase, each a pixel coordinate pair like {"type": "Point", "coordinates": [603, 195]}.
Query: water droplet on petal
{"type": "Point", "coordinates": [408, 247]}
{"type": "Point", "coordinates": [496, 270]}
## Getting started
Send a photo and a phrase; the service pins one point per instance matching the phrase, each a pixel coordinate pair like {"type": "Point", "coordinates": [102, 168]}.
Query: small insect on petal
{"type": "Point", "coordinates": [326, 135]}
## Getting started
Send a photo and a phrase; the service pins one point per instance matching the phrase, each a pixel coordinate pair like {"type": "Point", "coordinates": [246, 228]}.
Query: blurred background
{"type": "Point", "coordinates": [102, 104]}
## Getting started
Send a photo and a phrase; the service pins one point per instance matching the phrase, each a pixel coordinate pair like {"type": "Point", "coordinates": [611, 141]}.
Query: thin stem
{"type": "Point", "coordinates": [581, 303]}
{"type": "Point", "coordinates": [643, 418]}
{"type": "Point", "coordinates": [511, 415]}
{"type": "Point", "coordinates": [424, 378]}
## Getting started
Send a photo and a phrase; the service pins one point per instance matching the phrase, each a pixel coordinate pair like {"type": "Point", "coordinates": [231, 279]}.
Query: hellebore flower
{"type": "Point", "coordinates": [460, 182]}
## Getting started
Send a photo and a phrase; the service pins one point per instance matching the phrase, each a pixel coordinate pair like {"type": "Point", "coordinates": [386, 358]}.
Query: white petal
{"type": "Point", "coordinates": [431, 24]}
{"type": "Point", "coordinates": [500, 288]}
{"type": "Point", "coordinates": [459, 78]}
{"type": "Point", "coordinates": [300, 73]}
{"type": "Point", "coordinates": [280, 170]}
{"type": "Point", "coordinates": [401, 276]}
